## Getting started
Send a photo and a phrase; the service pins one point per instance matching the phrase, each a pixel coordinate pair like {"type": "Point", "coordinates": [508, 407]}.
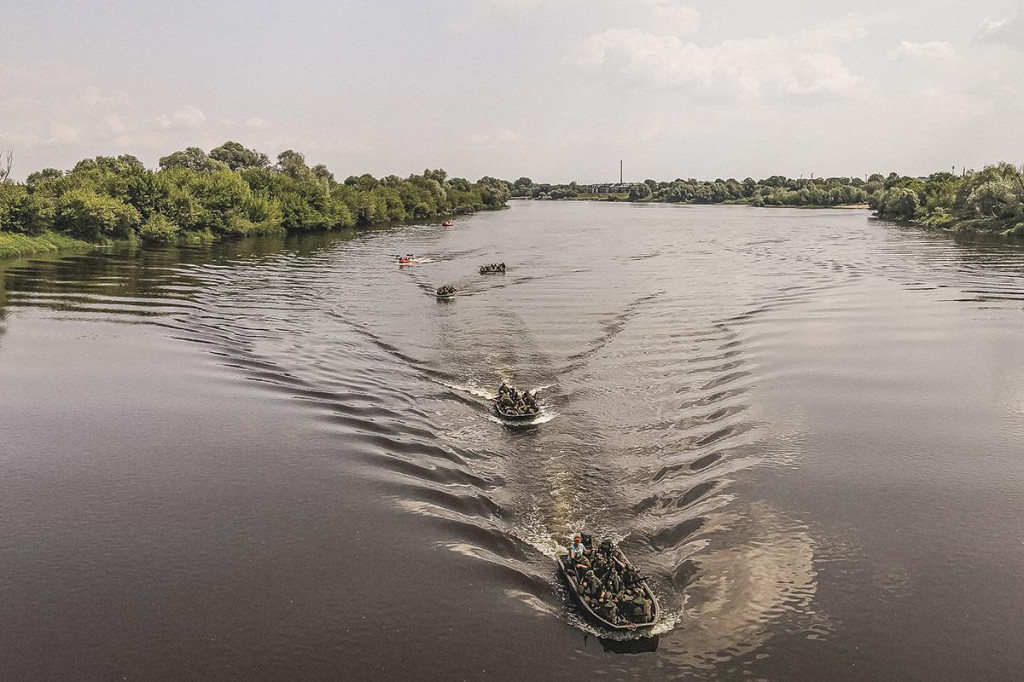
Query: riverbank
{"type": "Point", "coordinates": [624, 198]}
{"type": "Point", "coordinates": [21, 245]}
{"type": "Point", "coordinates": [977, 231]}
{"type": "Point", "coordinates": [228, 193]}
{"type": "Point", "coordinates": [977, 205]}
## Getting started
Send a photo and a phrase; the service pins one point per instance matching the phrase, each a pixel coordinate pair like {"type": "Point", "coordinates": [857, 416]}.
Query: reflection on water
{"type": "Point", "coordinates": [639, 645]}
{"type": "Point", "coordinates": [712, 383]}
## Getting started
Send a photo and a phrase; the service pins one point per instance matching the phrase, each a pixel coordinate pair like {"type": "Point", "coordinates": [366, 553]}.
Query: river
{"type": "Point", "coordinates": [275, 459]}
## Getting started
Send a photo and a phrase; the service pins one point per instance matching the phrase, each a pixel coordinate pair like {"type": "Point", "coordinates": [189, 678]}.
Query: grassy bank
{"type": "Point", "coordinates": [228, 193]}
{"type": "Point", "coordinates": [20, 245]}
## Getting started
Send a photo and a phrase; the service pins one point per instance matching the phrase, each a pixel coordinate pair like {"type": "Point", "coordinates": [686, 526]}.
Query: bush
{"type": "Point", "coordinates": [22, 212]}
{"type": "Point", "coordinates": [84, 213]}
{"type": "Point", "coordinates": [159, 229]}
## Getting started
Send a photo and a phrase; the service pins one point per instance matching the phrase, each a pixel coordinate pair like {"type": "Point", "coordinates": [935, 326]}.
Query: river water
{"type": "Point", "coordinates": [275, 459]}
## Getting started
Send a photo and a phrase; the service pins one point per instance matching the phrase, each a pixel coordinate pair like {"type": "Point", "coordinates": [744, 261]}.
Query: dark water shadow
{"type": "Point", "coordinates": [630, 647]}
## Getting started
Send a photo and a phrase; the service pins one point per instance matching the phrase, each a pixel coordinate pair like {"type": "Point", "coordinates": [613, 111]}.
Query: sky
{"type": "Point", "coordinates": [555, 90]}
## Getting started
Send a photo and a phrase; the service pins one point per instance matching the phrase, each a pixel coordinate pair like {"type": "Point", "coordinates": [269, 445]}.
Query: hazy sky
{"type": "Point", "coordinates": [558, 90]}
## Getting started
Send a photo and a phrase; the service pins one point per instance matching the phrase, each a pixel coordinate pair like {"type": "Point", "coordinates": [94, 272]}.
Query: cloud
{"type": "Point", "coordinates": [842, 30]}
{"type": "Point", "coordinates": [114, 123]}
{"type": "Point", "coordinates": [256, 122]}
{"type": "Point", "coordinates": [485, 11]}
{"type": "Point", "coordinates": [41, 73]}
{"type": "Point", "coordinates": [189, 117]}
{"type": "Point", "coordinates": [493, 139]}
{"type": "Point", "coordinates": [909, 50]}
{"type": "Point", "coordinates": [90, 97]}
{"type": "Point", "coordinates": [1008, 31]}
{"type": "Point", "coordinates": [62, 133]}
{"type": "Point", "coordinates": [734, 69]}
{"type": "Point", "coordinates": [13, 138]}
{"type": "Point", "coordinates": [676, 18]}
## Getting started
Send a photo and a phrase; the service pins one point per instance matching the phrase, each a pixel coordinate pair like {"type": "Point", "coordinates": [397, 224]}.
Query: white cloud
{"type": "Point", "coordinates": [62, 133]}
{"type": "Point", "coordinates": [484, 11]}
{"type": "Point", "coordinates": [1006, 32]}
{"type": "Point", "coordinates": [734, 69]}
{"type": "Point", "coordinates": [13, 138]}
{"type": "Point", "coordinates": [842, 30]}
{"type": "Point", "coordinates": [493, 139]}
{"type": "Point", "coordinates": [114, 123]}
{"type": "Point", "coordinates": [909, 50]}
{"type": "Point", "coordinates": [41, 73]}
{"type": "Point", "coordinates": [676, 18]}
{"type": "Point", "coordinates": [949, 107]}
{"type": "Point", "coordinates": [256, 122]}
{"type": "Point", "coordinates": [1009, 31]}
{"type": "Point", "coordinates": [189, 117]}
{"type": "Point", "coordinates": [90, 96]}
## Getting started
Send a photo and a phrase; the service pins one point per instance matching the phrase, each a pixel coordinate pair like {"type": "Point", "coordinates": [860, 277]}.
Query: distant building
{"type": "Point", "coordinates": [607, 188]}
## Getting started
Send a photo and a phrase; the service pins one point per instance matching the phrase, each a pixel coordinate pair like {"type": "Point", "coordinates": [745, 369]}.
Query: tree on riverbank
{"type": "Point", "coordinates": [990, 200]}
{"type": "Point", "coordinates": [230, 192]}
{"type": "Point", "coordinates": [773, 191]}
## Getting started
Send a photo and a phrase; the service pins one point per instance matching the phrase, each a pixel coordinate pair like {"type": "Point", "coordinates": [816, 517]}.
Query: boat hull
{"type": "Point", "coordinates": [592, 615]}
{"type": "Point", "coordinates": [515, 417]}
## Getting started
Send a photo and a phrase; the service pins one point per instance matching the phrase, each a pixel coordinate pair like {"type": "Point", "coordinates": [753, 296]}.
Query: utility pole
{"type": "Point", "coordinates": [620, 171]}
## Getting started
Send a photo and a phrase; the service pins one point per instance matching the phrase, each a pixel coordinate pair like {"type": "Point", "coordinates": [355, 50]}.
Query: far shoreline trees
{"type": "Point", "coordinates": [232, 191]}
{"type": "Point", "coordinates": [773, 191]}
{"type": "Point", "coordinates": [986, 201]}
{"type": "Point", "coordinates": [229, 192]}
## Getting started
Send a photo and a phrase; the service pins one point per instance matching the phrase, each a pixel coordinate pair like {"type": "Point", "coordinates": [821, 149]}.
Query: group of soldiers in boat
{"type": "Point", "coordinates": [514, 402]}
{"type": "Point", "coordinates": [608, 583]}
{"type": "Point", "coordinates": [446, 290]}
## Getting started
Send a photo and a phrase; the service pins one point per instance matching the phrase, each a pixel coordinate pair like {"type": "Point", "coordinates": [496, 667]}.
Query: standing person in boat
{"type": "Point", "coordinates": [613, 582]}
{"type": "Point", "coordinates": [577, 555]}
{"type": "Point", "coordinates": [576, 549]}
{"type": "Point", "coordinates": [600, 564]}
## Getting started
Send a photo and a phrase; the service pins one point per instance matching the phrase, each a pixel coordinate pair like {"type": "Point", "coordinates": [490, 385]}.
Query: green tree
{"type": "Point", "coordinates": [235, 156]}
{"type": "Point", "coordinates": [192, 158]}
{"type": "Point", "coordinates": [86, 214]}
{"type": "Point", "coordinates": [639, 191]}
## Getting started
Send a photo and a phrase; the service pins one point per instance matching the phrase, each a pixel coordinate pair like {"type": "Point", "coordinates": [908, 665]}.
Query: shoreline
{"type": "Point", "coordinates": [614, 200]}
{"type": "Point", "coordinates": [14, 246]}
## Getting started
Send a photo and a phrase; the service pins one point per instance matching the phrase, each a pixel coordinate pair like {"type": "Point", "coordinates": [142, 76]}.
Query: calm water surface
{"type": "Point", "coordinates": [276, 460]}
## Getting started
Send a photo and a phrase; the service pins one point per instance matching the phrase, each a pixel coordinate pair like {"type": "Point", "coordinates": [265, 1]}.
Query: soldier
{"type": "Point", "coordinates": [636, 608]}
{"type": "Point", "coordinates": [648, 610]}
{"type": "Point", "coordinates": [613, 581]}
{"type": "Point", "coordinates": [600, 565]}
{"type": "Point", "coordinates": [630, 576]}
{"type": "Point", "coordinates": [607, 609]}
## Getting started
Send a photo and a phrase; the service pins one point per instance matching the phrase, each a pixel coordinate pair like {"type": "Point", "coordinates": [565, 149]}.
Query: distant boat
{"type": "Point", "coordinates": [446, 292]}
{"type": "Point", "coordinates": [447, 223]}
{"type": "Point", "coordinates": [493, 269]}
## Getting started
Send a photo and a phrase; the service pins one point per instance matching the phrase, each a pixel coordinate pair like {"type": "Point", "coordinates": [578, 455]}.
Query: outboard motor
{"type": "Point", "coordinates": [588, 540]}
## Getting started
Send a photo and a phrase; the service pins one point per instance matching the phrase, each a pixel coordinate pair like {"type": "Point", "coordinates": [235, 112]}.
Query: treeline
{"type": "Point", "coordinates": [990, 200]}
{"type": "Point", "coordinates": [774, 191]}
{"type": "Point", "coordinates": [229, 192]}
